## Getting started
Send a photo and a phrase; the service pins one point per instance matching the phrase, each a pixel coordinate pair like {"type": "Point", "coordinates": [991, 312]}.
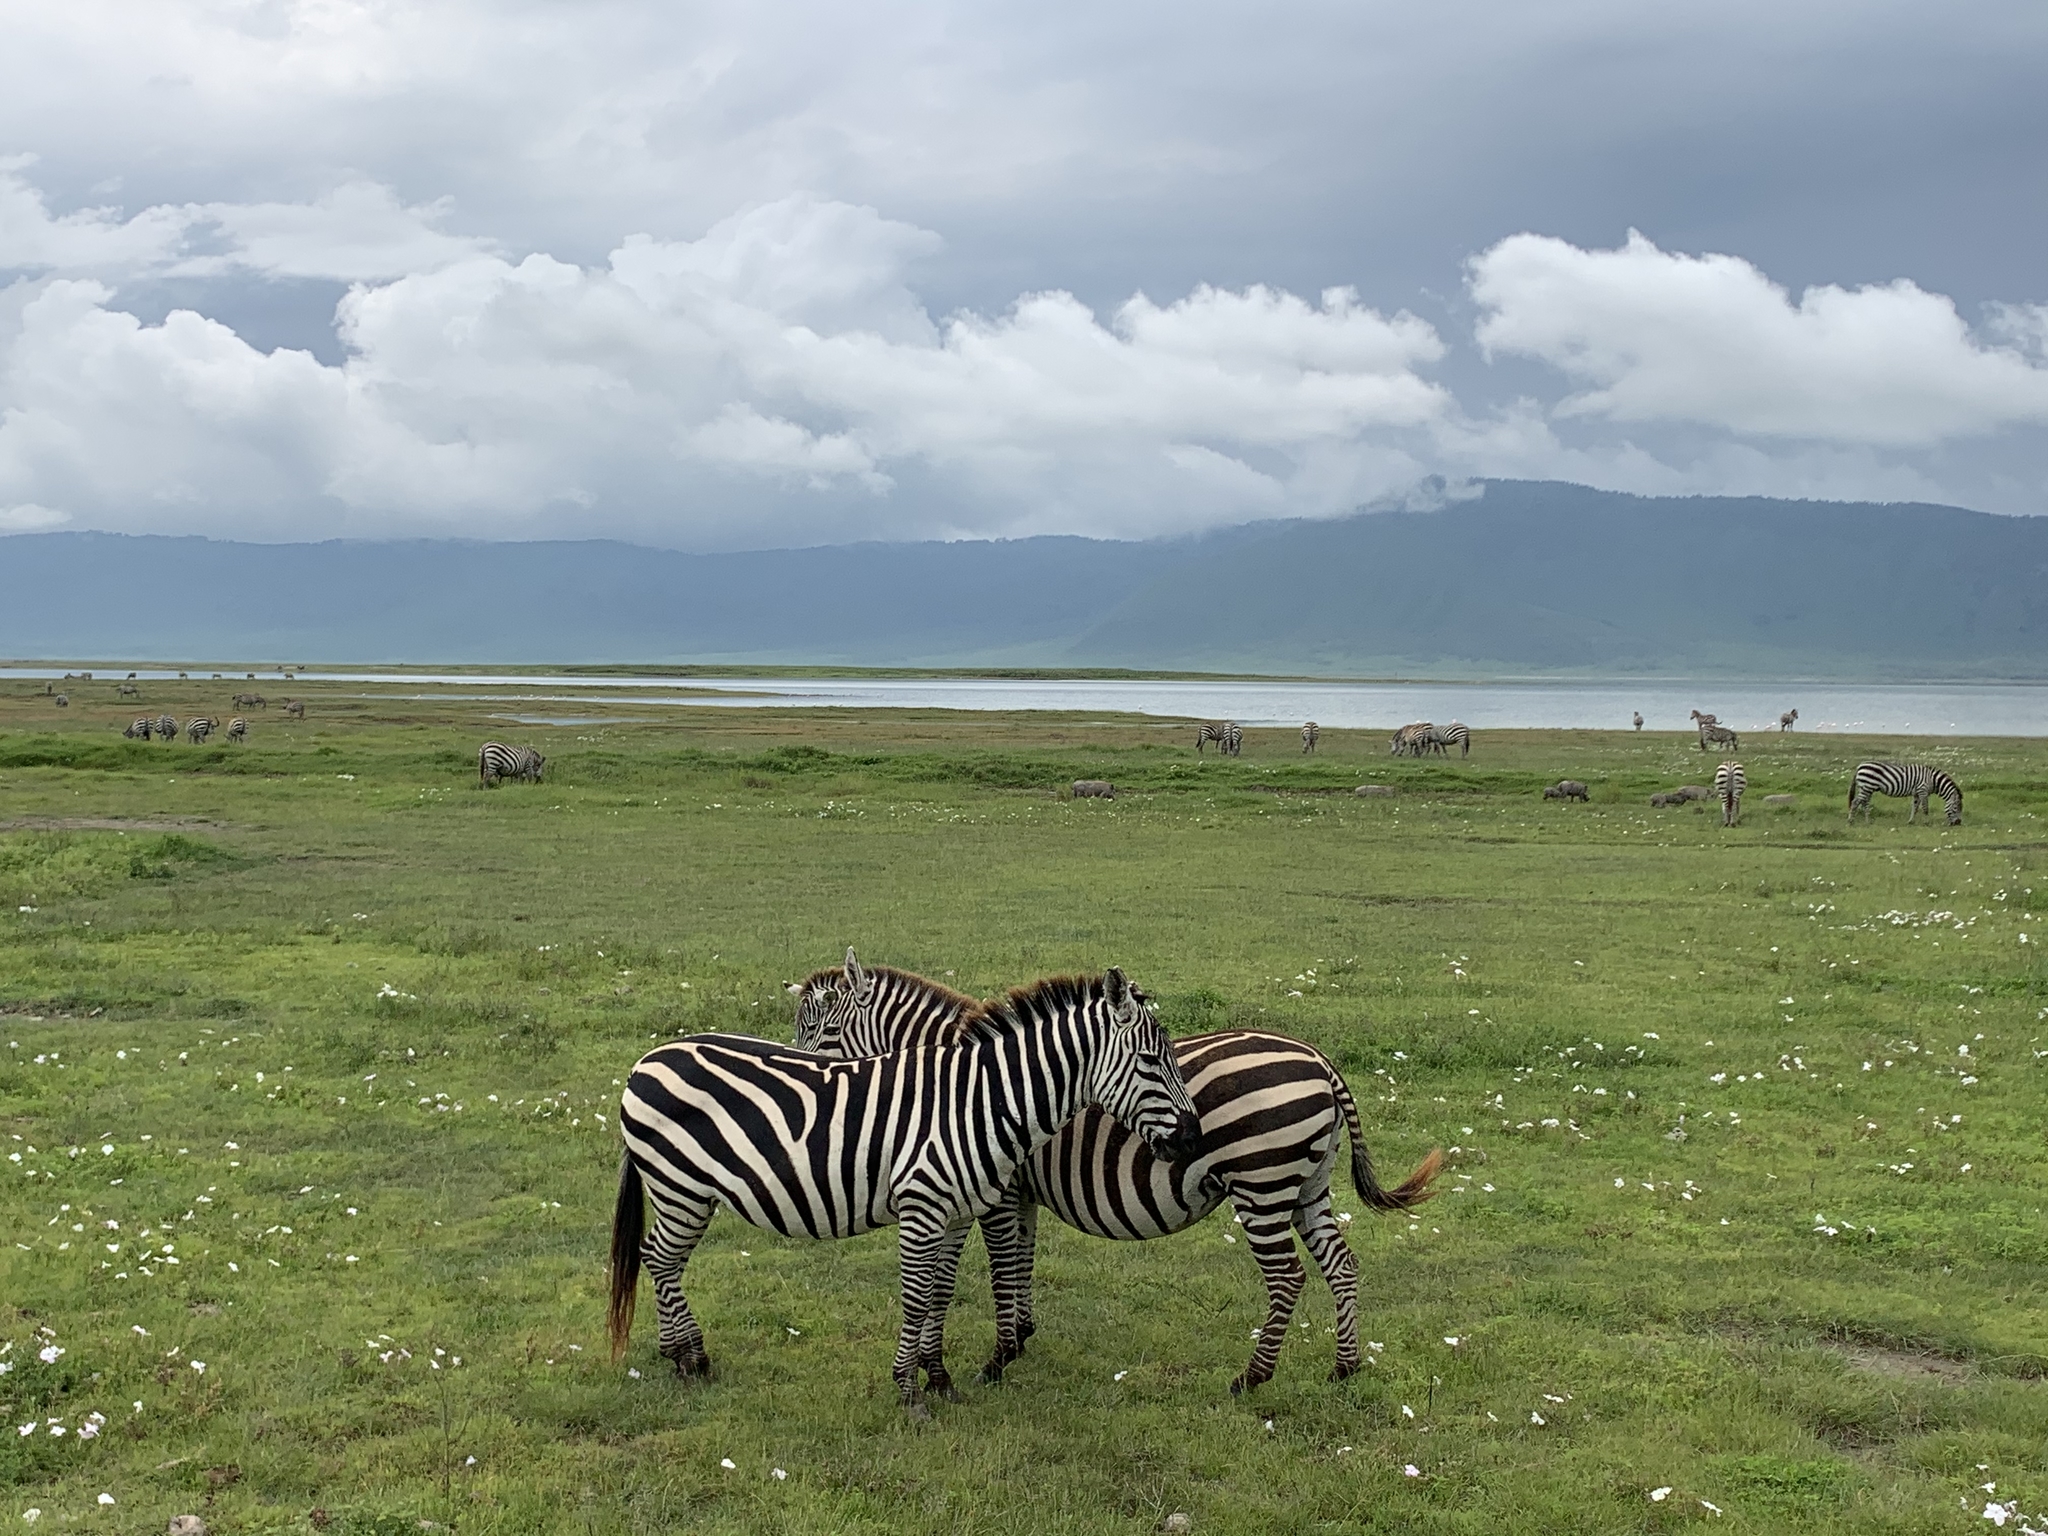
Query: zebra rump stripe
{"type": "Point", "coordinates": [495, 761]}
{"type": "Point", "coordinates": [141, 729]}
{"type": "Point", "coordinates": [1729, 783]}
{"type": "Point", "coordinates": [1311, 733]}
{"type": "Point", "coordinates": [238, 729]}
{"type": "Point", "coordinates": [929, 1139]}
{"type": "Point", "coordinates": [1452, 734]}
{"type": "Point", "coordinates": [1272, 1110]}
{"type": "Point", "coordinates": [1900, 780]}
{"type": "Point", "coordinates": [1227, 734]}
{"type": "Point", "coordinates": [1412, 740]}
{"type": "Point", "coordinates": [196, 731]}
{"type": "Point", "coordinates": [166, 728]}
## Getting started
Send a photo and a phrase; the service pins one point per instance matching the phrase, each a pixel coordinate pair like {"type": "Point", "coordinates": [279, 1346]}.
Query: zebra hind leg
{"type": "Point", "coordinates": [677, 1231]}
{"type": "Point", "coordinates": [1324, 1240]}
{"type": "Point", "coordinates": [1010, 1233]}
{"type": "Point", "coordinates": [931, 1343]}
{"type": "Point", "coordinates": [1271, 1236]}
{"type": "Point", "coordinates": [922, 1241]}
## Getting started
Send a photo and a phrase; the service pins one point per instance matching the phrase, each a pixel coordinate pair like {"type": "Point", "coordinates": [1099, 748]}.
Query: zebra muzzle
{"type": "Point", "coordinates": [1181, 1143]}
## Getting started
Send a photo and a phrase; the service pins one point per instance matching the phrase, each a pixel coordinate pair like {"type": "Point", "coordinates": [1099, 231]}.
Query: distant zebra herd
{"type": "Point", "coordinates": [197, 729]}
{"type": "Point", "coordinates": [1422, 738]}
{"type": "Point", "coordinates": [906, 1102]}
{"type": "Point", "coordinates": [1227, 734]}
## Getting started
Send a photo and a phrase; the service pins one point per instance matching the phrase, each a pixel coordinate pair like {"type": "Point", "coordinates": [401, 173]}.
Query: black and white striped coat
{"type": "Point", "coordinates": [1729, 783]}
{"type": "Point", "coordinates": [1788, 719]}
{"type": "Point", "coordinates": [1718, 735]}
{"type": "Point", "coordinates": [1227, 734]}
{"type": "Point", "coordinates": [1311, 733]}
{"type": "Point", "coordinates": [1919, 780]}
{"type": "Point", "coordinates": [1273, 1111]}
{"type": "Point", "coordinates": [141, 730]}
{"type": "Point", "coordinates": [166, 728]}
{"type": "Point", "coordinates": [495, 761]}
{"type": "Point", "coordinates": [1456, 734]}
{"type": "Point", "coordinates": [1412, 740]}
{"type": "Point", "coordinates": [238, 729]}
{"type": "Point", "coordinates": [930, 1139]}
{"type": "Point", "coordinates": [198, 729]}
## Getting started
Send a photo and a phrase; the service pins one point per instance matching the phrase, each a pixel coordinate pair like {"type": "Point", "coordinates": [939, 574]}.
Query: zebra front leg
{"type": "Point", "coordinates": [1271, 1236]}
{"type": "Point", "coordinates": [931, 1344]}
{"type": "Point", "coordinates": [1339, 1266]}
{"type": "Point", "coordinates": [663, 1253]}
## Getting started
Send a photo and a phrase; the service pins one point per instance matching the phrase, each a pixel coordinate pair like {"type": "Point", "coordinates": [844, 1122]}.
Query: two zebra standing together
{"type": "Point", "coordinates": [1229, 737]}
{"type": "Point", "coordinates": [1422, 738]}
{"type": "Point", "coordinates": [909, 1102]}
{"type": "Point", "coordinates": [197, 729]}
{"type": "Point", "coordinates": [1914, 781]}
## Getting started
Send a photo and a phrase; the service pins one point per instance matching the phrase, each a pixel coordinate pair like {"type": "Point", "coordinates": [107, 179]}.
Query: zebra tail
{"type": "Point", "coordinates": [629, 1225]}
{"type": "Point", "coordinates": [1406, 1195]}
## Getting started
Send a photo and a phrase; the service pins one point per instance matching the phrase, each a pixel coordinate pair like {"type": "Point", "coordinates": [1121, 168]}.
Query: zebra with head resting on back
{"type": "Point", "coordinates": [1899, 780]}
{"type": "Point", "coordinates": [495, 761]}
{"type": "Point", "coordinates": [1729, 783]}
{"type": "Point", "coordinates": [930, 1139]}
{"type": "Point", "coordinates": [1311, 733]}
{"type": "Point", "coordinates": [1272, 1111]}
{"type": "Point", "coordinates": [1227, 734]}
{"type": "Point", "coordinates": [1411, 740]}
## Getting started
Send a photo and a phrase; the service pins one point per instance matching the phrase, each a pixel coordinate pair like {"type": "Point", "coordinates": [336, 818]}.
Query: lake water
{"type": "Point", "coordinates": [1921, 709]}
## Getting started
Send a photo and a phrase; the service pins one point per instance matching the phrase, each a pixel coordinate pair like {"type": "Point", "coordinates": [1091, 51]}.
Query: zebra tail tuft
{"type": "Point", "coordinates": [1406, 1195]}
{"type": "Point", "coordinates": [629, 1224]}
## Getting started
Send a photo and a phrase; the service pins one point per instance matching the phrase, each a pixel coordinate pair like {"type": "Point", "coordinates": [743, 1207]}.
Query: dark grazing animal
{"type": "Point", "coordinates": [296, 708]}
{"type": "Point", "coordinates": [1566, 789]}
{"type": "Point", "coordinates": [1729, 783]}
{"type": "Point", "coordinates": [1900, 780]}
{"type": "Point", "coordinates": [63, 701]}
{"type": "Point", "coordinates": [1273, 1111]}
{"type": "Point", "coordinates": [929, 1139]}
{"type": "Point", "coordinates": [495, 761]}
{"type": "Point", "coordinates": [1094, 789]}
{"type": "Point", "coordinates": [250, 701]}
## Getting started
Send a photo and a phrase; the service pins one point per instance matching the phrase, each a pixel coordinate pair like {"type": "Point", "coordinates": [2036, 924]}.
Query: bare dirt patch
{"type": "Point", "coordinates": [1900, 1364]}
{"type": "Point", "coordinates": [109, 824]}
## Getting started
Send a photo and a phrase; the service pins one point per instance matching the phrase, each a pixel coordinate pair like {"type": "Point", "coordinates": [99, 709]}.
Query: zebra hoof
{"type": "Point", "coordinates": [1343, 1370]}
{"type": "Point", "coordinates": [1246, 1381]}
{"type": "Point", "coordinates": [991, 1375]}
{"type": "Point", "coordinates": [693, 1367]}
{"type": "Point", "coordinates": [915, 1411]}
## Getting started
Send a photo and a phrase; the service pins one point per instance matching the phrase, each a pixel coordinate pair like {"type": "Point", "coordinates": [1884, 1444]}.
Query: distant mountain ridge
{"type": "Point", "coordinates": [1530, 578]}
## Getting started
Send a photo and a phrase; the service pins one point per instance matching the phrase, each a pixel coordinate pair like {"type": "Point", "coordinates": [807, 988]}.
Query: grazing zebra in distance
{"type": "Point", "coordinates": [1720, 736]}
{"type": "Point", "coordinates": [1703, 721]}
{"type": "Point", "coordinates": [166, 728]}
{"type": "Point", "coordinates": [238, 729]}
{"type": "Point", "coordinates": [63, 701]}
{"type": "Point", "coordinates": [1729, 783]}
{"type": "Point", "coordinates": [1900, 780]}
{"type": "Point", "coordinates": [250, 701]}
{"type": "Point", "coordinates": [1310, 735]}
{"type": "Point", "coordinates": [1788, 719]}
{"type": "Point", "coordinates": [1227, 734]}
{"type": "Point", "coordinates": [295, 708]}
{"type": "Point", "coordinates": [127, 690]}
{"type": "Point", "coordinates": [1639, 719]}
{"type": "Point", "coordinates": [1454, 733]}
{"type": "Point", "coordinates": [495, 761]}
{"type": "Point", "coordinates": [930, 1139]}
{"type": "Point", "coordinates": [1273, 1110]}
{"type": "Point", "coordinates": [1411, 740]}
{"type": "Point", "coordinates": [141, 729]}
{"type": "Point", "coordinates": [198, 729]}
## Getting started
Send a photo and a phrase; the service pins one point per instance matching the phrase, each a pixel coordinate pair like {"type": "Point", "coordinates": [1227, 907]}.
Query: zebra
{"type": "Point", "coordinates": [250, 701]}
{"type": "Point", "coordinates": [1729, 783]}
{"type": "Point", "coordinates": [1703, 720]}
{"type": "Point", "coordinates": [1411, 740]}
{"type": "Point", "coordinates": [1227, 734]}
{"type": "Point", "coordinates": [296, 708]}
{"type": "Point", "coordinates": [127, 690]}
{"type": "Point", "coordinates": [1720, 736]}
{"type": "Point", "coordinates": [1900, 780]}
{"type": "Point", "coordinates": [1311, 733]}
{"type": "Point", "coordinates": [198, 729]}
{"type": "Point", "coordinates": [238, 729]}
{"type": "Point", "coordinates": [166, 728]}
{"type": "Point", "coordinates": [810, 1146]}
{"type": "Point", "coordinates": [141, 729]}
{"type": "Point", "coordinates": [495, 761]}
{"type": "Point", "coordinates": [1454, 732]}
{"type": "Point", "coordinates": [1272, 1110]}
{"type": "Point", "coordinates": [1788, 719]}
{"type": "Point", "coordinates": [63, 701]}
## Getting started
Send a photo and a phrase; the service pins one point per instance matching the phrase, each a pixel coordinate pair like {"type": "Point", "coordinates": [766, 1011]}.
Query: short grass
{"type": "Point", "coordinates": [1745, 1127]}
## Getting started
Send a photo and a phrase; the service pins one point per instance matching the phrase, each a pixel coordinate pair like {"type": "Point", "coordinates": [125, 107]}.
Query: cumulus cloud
{"type": "Point", "coordinates": [775, 378]}
{"type": "Point", "coordinates": [90, 239]}
{"type": "Point", "coordinates": [1656, 336]}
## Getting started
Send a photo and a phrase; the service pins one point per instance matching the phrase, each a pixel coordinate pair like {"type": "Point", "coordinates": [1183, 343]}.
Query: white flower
{"type": "Point", "coordinates": [632, 1373]}
{"type": "Point", "coordinates": [106, 1498]}
{"type": "Point", "coordinates": [778, 1474]}
{"type": "Point", "coordinates": [1998, 1514]}
{"type": "Point", "coordinates": [49, 1353]}
{"type": "Point", "coordinates": [31, 1515]}
{"type": "Point", "coordinates": [1659, 1495]}
{"type": "Point", "coordinates": [1120, 1375]}
{"type": "Point", "coordinates": [199, 1366]}
{"type": "Point", "coordinates": [1453, 1340]}
{"type": "Point", "coordinates": [1536, 1419]}
{"type": "Point", "coordinates": [25, 1430]}
{"type": "Point", "coordinates": [88, 1431]}
{"type": "Point", "coordinates": [1710, 1508]}
{"type": "Point", "coordinates": [1407, 1412]}
{"type": "Point", "coordinates": [1411, 1470]}
{"type": "Point", "coordinates": [727, 1463]}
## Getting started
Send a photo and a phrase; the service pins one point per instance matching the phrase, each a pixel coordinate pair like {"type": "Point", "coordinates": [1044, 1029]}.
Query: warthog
{"type": "Point", "coordinates": [1094, 789]}
{"type": "Point", "coordinates": [1565, 789]}
{"type": "Point", "coordinates": [1781, 799]}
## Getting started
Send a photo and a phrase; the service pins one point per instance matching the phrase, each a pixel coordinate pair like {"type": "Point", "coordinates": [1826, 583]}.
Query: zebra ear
{"type": "Point", "coordinates": [856, 978]}
{"type": "Point", "coordinates": [1116, 987]}
{"type": "Point", "coordinates": [793, 988]}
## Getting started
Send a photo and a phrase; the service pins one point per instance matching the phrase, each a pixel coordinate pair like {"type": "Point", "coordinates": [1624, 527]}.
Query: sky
{"type": "Point", "coordinates": [714, 276]}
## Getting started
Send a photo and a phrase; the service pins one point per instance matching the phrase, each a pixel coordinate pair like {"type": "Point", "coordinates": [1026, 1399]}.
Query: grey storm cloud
{"type": "Point", "coordinates": [724, 275]}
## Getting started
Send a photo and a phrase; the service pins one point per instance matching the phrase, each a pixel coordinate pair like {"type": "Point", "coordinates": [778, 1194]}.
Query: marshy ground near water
{"type": "Point", "coordinates": [310, 1053]}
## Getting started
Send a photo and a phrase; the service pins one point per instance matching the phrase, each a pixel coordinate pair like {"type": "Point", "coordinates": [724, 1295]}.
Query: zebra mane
{"type": "Point", "coordinates": [833, 975]}
{"type": "Point", "coordinates": [1047, 995]}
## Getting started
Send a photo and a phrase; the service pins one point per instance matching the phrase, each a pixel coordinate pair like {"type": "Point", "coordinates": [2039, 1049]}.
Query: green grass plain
{"type": "Point", "coordinates": [1745, 1130]}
